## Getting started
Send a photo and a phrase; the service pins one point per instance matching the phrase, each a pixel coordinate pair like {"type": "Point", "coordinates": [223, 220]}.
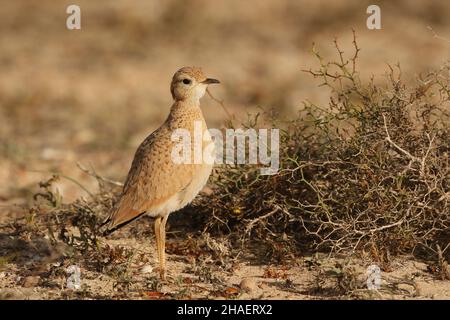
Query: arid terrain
{"type": "Point", "coordinates": [85, 99]}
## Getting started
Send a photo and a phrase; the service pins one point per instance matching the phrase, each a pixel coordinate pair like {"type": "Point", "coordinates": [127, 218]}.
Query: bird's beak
{"type": "Point", "coordinates": [210, 81]}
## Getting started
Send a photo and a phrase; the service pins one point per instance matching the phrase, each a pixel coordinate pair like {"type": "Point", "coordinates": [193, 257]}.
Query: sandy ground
{"type": "Point", "coordinates": [36, 270]}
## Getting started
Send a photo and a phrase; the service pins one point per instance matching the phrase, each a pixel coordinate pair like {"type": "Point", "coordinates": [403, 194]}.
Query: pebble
{"type": "Point", "coordinates": [147, 269]}
{"type": "Point", "coordinates": [418, 288]}
{"type": "Point", "coordinates": [248, 285]}
{"type": "Point", "coordinates": [30, 281]}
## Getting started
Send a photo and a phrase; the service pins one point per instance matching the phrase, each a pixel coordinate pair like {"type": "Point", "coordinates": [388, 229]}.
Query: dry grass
{"type": "Point", "coordinates": [368, 172]}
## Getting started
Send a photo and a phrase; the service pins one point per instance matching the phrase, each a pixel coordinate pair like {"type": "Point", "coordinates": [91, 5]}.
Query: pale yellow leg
{"type": "Point", "coordinates": [158, 237]}
{"type": "Point", "coordinates": [162, 236]}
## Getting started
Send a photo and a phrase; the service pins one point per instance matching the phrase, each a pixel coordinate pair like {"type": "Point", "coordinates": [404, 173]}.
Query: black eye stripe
{"type": "Point", "coordinates": [186, 81]}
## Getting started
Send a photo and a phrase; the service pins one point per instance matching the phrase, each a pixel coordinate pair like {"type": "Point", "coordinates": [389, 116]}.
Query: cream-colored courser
{"type": "Point", "coordinates": [156, 185]}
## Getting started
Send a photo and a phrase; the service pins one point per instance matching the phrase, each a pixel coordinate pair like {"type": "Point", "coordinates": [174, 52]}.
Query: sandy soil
{"type": "Point", "coordinates": [34, 269]}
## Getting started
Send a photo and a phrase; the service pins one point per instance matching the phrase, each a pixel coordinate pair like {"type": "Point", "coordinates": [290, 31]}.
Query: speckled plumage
{"type": "Point", "coordinates": [155, 184]}
{"type": "Point", "coordinates": [153, 177]}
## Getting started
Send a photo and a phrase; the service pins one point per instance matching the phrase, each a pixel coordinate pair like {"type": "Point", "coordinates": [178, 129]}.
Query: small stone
{"type": "Point", "coordinates": [30, 281]}
{"type": "Point", "coordinates": [248, 285]}
{"type": "Point", "coordinates": [147, 269]}
{"type": "Point", "coordinates": [207, 191]}
{"type": "Point", "coordinates": [418, 288]}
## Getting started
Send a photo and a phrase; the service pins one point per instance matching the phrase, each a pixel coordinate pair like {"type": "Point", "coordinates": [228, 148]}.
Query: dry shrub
{"type": "Point", "coordinates": [369, 171]}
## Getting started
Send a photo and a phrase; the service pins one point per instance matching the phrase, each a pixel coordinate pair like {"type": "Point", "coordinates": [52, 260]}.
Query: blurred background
{"type": "Point", "coordinates": [92, 95]}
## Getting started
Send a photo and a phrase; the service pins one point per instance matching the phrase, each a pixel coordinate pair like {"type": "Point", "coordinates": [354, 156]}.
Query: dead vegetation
{"type": "Point", "coordinates": [368, 172]}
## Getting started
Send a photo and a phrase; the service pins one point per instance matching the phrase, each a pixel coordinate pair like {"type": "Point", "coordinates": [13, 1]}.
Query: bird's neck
{"type": "Point", "coordinates": [184, 113]}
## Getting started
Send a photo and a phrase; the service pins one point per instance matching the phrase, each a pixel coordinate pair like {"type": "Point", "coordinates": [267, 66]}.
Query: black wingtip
{"type": "Point", "coordinates": [107, 232]}
{"type": "Point", "coordinates": [110, 230]}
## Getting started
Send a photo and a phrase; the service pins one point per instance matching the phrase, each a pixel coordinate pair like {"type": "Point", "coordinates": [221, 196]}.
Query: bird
{"type": "Point", "coordinates": [157, 185]}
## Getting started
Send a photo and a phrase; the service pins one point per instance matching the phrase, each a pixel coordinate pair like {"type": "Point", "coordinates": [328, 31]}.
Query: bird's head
{"type": "Point", "coordinates": [190, 83]}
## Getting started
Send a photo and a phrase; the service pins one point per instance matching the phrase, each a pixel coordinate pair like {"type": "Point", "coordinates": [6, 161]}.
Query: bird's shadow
{"type": "Point", "coordinates": [30, 254]}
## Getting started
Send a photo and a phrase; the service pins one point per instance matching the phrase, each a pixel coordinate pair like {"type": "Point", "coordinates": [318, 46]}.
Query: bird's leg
{"type": "Point", "coordinates": [158, 236]}
{"type": "Point", "coordinates": [162, 236]}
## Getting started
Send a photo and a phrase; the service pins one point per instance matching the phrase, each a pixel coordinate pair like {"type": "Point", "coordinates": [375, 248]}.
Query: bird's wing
{"type": "Point", "coordinates": [153, 179]}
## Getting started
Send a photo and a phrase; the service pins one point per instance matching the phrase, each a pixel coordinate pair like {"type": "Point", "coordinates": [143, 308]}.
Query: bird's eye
{"type": "Point", "coordinates": [186, 81]}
